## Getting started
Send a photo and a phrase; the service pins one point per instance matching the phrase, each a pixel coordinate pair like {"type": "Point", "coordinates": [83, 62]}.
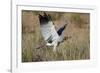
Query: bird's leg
{"type": "Point", "coordinates": [55, 45]}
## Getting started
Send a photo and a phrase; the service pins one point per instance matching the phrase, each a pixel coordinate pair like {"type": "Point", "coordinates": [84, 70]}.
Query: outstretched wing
{"type": "Point", "coordinates": [47, 28]}
{"type": "Point", "coordinates": [61, 29]}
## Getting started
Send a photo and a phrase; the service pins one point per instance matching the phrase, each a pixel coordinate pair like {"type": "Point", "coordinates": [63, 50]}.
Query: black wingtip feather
{"type": "Point", "coordinates": [61, 30]}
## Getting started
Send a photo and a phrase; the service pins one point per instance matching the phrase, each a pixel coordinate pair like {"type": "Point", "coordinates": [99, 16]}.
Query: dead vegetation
{"type": "Point", "coordinates": [75, 47]}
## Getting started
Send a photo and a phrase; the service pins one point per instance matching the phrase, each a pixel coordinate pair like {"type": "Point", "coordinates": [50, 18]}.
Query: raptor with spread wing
{"type": "Point", "coordinates": [50, 35]}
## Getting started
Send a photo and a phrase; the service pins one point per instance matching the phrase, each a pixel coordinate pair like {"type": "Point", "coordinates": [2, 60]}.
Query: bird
{"type": "Point", "coordinates": [49, 33]}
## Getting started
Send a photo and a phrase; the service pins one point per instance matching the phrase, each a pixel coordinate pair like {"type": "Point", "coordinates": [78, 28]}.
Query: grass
{"type": "Point", "coordinates": [77, 47]}
{"type": "Point", "coordinates": [71, 49]}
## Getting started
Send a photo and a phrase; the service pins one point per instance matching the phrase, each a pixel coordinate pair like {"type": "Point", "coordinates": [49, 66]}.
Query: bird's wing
{"type": "Point", "coordinates": [48, 31]}
{"type": "Point", "coordinates": [61, 29]}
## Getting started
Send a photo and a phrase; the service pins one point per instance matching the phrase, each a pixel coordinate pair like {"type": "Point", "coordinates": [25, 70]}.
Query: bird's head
{"type": "Point", "coordinates": [67, 37]}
